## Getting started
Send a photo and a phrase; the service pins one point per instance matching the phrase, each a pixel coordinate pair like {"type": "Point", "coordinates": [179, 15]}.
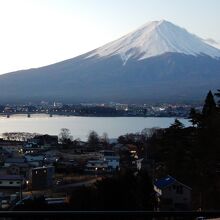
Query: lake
{"type": "Point", "coordinates": [81, 126]}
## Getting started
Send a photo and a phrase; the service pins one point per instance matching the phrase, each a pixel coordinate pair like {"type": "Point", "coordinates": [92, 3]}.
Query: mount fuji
{"type": "Point", "coordinates": [158, 62]}
{"type": "Point", "coordinates": [153, 39]}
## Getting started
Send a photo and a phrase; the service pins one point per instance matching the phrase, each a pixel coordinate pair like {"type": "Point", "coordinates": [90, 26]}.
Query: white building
{"type": "Point", "coordinates": [108, 162]}
{"type": "Point", "coordinates": [10, 181]}
{"type": "Point", "coordinates": [111, 158]}
{"type": "Point", "coordinates": [96, 166]}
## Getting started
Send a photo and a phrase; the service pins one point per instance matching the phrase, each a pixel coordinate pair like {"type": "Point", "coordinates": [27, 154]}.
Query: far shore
{"type": "Point", "coordinates": [49, 115]}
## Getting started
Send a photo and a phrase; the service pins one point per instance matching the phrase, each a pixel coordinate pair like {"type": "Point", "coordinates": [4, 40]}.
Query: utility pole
{"type": "Point", "coordinates": [21, 189]}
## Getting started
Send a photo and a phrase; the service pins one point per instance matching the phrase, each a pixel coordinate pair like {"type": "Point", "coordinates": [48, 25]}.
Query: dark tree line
{"type": "Point", "coordinates": [124, 191]}
{"type": "Point", "coordinates": [94, 140]}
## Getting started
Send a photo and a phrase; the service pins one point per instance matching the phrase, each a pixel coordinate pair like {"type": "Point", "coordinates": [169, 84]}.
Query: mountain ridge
{"type": "Point", "coordinates": [156, 38]}
{"type": "Point", "coordinates": [172, 76]}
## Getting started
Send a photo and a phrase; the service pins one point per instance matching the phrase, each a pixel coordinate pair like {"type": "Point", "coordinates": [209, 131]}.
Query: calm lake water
{"type": "Point", "coordinates": [81, 126]}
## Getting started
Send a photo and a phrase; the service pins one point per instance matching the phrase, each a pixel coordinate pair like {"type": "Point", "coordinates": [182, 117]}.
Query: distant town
{"type": "Point", "coordinates": [36, 169]}
{"type": "Point", "coordinates": [97, 109]}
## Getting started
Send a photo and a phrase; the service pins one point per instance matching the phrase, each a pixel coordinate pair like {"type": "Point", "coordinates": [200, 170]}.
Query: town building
{"type": "Point", "coordinates": [14, 161]}
{"type": "Point", "coordinates": [19, 169]}
{"type": "Point", "coordinates": [42, 177]}
{"type": "Point", "coordinates": [35, 160]}
{"type": "Point", "coordinates": [173, 195]}
{"type": "Point", "coordinates": [10, 181]}
{"type": "Point", "coordinates": [12, 147]}
{"type": "Point", "coordinates": [108, 162]}
{"type": "Point", "coordinates": [113, 160]}
{"type": "Point", "coordinates": [98, 166]}
{"type": "Point", "coordinates": [45, 140]}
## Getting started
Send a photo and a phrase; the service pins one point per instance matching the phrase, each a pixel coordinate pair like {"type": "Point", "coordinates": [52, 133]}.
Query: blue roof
{"type": "Point", "coordinates": [164, 182]}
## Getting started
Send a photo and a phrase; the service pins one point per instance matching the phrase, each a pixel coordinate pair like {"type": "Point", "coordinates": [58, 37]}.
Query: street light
{"type": "Point", "coordinates": [27, 182]}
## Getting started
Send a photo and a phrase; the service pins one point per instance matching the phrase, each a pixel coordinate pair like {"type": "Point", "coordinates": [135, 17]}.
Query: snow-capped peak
{"type": "Point", "coordinates": [153, 39]}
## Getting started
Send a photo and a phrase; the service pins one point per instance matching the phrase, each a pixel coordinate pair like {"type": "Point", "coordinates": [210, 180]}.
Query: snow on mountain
{"type": "Point", "coordinates": [212, 42]}
{"type": "Point", "coordinates": [153, 39]}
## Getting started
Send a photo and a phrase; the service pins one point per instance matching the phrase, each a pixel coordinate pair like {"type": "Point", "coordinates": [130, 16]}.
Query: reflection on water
{"type": "Point", "coordinates": [80, 126]}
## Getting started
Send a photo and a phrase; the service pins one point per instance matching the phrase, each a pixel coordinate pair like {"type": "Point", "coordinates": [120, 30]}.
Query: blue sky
{"type": "Point", "coordinates": [40, 32]}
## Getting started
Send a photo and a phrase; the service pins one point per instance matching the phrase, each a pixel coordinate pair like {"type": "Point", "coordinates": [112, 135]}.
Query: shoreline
{"type": "Point", "coordinates": [81, 126]}
{"type": "Point", "coordinates": [50, 115]}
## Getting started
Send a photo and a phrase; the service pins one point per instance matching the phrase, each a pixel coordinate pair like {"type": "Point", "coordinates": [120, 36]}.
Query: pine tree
{"type": "Point", "coordinates": [177, 125]}
{"type": "Point", "coordinates": [194, 117]}
{"type": "Point", "coordinates": [210, 115]}
{"type": "Point", "coordinates": [93, 139]}
{"type": "Point", "coordinates": [210, 106]}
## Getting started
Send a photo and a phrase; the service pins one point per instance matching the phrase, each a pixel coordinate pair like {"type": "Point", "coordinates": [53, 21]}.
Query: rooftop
{"type": "Point", "coordinates": [10, 177]}
{"type": "Point", "coordinates": [164, 182]}
{"type": "Point", "coordinates": [167, 181]}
